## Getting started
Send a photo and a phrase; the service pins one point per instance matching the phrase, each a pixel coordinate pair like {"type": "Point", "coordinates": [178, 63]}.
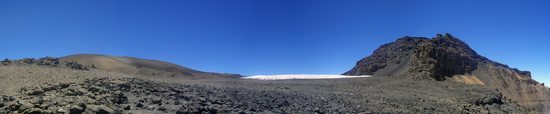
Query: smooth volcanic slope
{"type": "Point", "coordinates": [446, 58]}
{"type": "Point", "coordinates": [131, 65]}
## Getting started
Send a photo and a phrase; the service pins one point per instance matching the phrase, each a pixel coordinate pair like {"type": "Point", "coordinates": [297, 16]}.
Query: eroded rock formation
{"type": "Point", "coordinates": [446, 58]}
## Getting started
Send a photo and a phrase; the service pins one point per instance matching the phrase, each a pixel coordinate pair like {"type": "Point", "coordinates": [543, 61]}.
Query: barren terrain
{"type": "Point", "coordinates": [31, 88]}
{"type": "Point", "coordinates": [410, 75]}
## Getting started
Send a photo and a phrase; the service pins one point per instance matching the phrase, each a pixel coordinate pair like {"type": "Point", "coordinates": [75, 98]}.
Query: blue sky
{"type": "Point", "coordinates": [271, 36]}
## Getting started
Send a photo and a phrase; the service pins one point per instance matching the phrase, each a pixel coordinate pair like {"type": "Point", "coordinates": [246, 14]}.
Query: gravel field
{"type": "Point", "coordinates": [43, 89]}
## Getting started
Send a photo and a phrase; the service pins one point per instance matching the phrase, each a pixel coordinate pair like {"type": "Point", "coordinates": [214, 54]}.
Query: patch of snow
{"type": "Point", "coordinates": [300, 76]}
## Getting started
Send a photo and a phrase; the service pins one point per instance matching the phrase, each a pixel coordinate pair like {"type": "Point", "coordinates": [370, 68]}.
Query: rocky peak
{"type": "Point", "coordinates": [448, 40]}
{"type": "Point", "coordinates": [422, 58]}
{"type": "Point", "coordinates": [451, 42]}
{"type": "Point", "coordinates": [441, 57]}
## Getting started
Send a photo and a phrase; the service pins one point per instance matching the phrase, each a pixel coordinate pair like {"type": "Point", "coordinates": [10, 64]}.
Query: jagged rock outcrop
{"type": "Point", "coordinates": [443, 56]}
{"type": "Point", "coordinates": [5, 62]}
{"type": "Point", "coordinates": [45, 61]}
{"type": "Point", "coordinates": [446, 58]}
{"type": "Point", "coordinates": [423, 58]}
{"type": "Point", "coordinates": [389, 58]}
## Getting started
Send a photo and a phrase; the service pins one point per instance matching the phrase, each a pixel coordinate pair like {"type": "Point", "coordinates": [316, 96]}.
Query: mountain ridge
{"type": "Point", "coordinates": [139, 66]}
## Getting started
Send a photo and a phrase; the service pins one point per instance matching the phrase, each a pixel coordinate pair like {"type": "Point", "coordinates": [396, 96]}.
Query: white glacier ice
{"type": "Point", "coordinates": [300, 76]}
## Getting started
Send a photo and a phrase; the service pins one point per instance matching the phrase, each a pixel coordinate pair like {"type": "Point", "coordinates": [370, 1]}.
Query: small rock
{"type": "Point", "coordinates": [51, 87]}
{"type": "Point", "coordinates": [25, 106]}
{"type": "Point", "coordinates": [127, 107]}
{"type": "Point", "coordinates": [98, 109]}
{"type": "Point", "coordinates": [61, 110]}
{"type": "Point", "coordinates": [76, 109]}
{"type": "Point", "coordinates": [33, 111]}
{"type": "Point", "coordinates": [139, 105]}
{"type": "Point", "coordinates": [151, 107]}
{"type": "Point", "coordinates": [64, 85]}
{"type": "Point", "coordinates": [36, 92]}
{"type": "Point", "coordinates": [7, 98]}
{"type": "Point", "coordinates": [95, 89]}
{"type": "Point", "coordinates": [183, 111]}
{"type": "Point", "coordinates": [162, 108]}
{"type": "Point", "coordinates": [47, 112]}
{"type": "Point", "coordinates": [124, 86]}
{"type": "Point", "coordinates": [45, 105]}
{"type": "Point", "coordinates": [177, 102]}
{"type": "Point", "coordinates": [119, 98]}
{"type": "Point", "coordinates": [157, 101]}
{"type": "Point", "coordinates": [62, 103]}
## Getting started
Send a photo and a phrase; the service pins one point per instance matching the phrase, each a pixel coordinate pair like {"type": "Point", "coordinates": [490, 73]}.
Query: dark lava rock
{"type": "Point", "coordinates": [76, 110]}
{"type": "Point", "coordinates": [98, 109]}
{"type": "Point", "coordinates": [5, 62]}
{"type": "Point", "coordinates": [157, 101]}
{"type": "Point", "coordinates": [127, 107]}
{"type": "Point", "coordinates": [76, 66]}
{"type": "Point", "coordinates": [33, 111]}
{"type": "Point", "coordinates": [36, 92]}
{"type": "Point", "coordinates": [50, 61]}
{"type": "Point", "coordinates": [183, 111]}
{"type": "Point", "coordinates": [496, 99]}
{"type": "Point", "coordinates": [46, 61]}
{"type": "Point", "coordinates": [161, 108]}
{"type": "Point", "coordinates": [119, 98]}
{"type": "Point", "coordinates": [27, 61]}
{"type": "Point", "coordinates": [24, 106]}
{"type": "Point", "coordinates": [139, 105]}
{"type": "Point", "coordinates": [6, 98]}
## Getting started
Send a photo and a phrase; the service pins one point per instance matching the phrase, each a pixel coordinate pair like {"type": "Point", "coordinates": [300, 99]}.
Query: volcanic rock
{"type": "Point", "coordinates": [76, 109]}
{"type": "Point", "coordinates": [98, 109]}
{"type": "Point", "coordinates": [446, 58]}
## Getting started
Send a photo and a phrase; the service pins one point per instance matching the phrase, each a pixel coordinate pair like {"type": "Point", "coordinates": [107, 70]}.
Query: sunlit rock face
{"type": "Point", "coordinates": [421, 58]}
{"type": "Point", "coordinates": [447, 58]}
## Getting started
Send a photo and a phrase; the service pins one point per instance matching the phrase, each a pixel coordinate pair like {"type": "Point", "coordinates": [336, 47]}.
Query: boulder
{"type": "Point", "coordinates": [33, 111]}
{"type": "Point", "coordinates": [98, 109]}
{"type": "Point", "coordinates": [139, 105]}
{"type": "Point", "coordinates": [50, 61]}
{"type": "Point", "coordinates": [36, 92]}
{"type": "Point", "coordinates": [119, 98]}
{"type": "Point", "coordinates": [157, 100]}
{"type": "Point", "coordinates": [25, 105]}
{"type": "Point", "coordinates": [76, 66]}
{"type": "Point", "coordinates": [76, 109]}
{"type": "Point", "coordinates": [27, 61]}
{"type": "Point", "coordinates": [127, 107]}
{"type": "Point", "coordinates": [5, 62]}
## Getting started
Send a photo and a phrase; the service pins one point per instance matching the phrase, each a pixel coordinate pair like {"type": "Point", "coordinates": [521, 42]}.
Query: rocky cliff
{"type": "Point", "coordinates": [446, 58]}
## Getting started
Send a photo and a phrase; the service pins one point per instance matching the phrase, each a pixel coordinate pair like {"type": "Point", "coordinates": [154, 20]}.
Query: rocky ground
{"type": "Point", "coordinates": [44, 89]}
{"type": "Point", "coordinates": [133, 95]}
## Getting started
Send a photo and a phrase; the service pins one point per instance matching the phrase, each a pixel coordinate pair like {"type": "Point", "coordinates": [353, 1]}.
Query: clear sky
{"type": "Point", "coordinates": [271, 36]}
